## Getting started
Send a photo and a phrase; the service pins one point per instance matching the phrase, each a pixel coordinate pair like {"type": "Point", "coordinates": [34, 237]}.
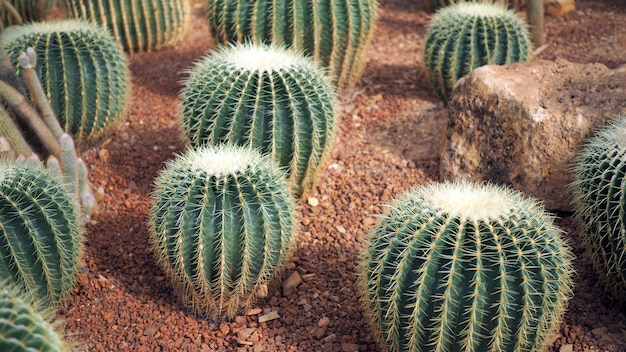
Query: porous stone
{"type": "Point", "coordinates": [522, 125]}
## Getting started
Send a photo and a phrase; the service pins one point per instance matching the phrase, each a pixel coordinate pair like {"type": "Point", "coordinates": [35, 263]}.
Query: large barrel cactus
{"type": "Point", "coordinates": [467, 35]}
{"type": "Point", "coordinates": [223, 223]}
{"type": "Point", "coordinates": [40, 237]}
{"type": "Point", "coordinates": [82, 69]}
{"type": "Point", "coordinates": [465, 267]}
{"type": "Point", "coordinates": [267, 97]}
{"type": "Point", "coordinates": [139, 25]}
{"type": "Point", "coordinates": [600, 198]}
{"type": "Point", "coordinates": [335, 33]}
{"type": "Point", "coordinates": [25, 326]}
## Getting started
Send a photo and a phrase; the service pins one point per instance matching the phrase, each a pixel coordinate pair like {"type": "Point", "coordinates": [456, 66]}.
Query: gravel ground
{"type": "Point", "coordinates": [390, 136]}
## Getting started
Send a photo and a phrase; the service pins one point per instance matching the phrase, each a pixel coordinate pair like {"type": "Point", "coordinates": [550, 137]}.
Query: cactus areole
{"type": "Point", "coordinates": [465, 267]}
{"type": "Point", "coordinates": [267, 97]}
{"type": "Point", "coordinates": [600, 198]}
{"type": "Point", "coordinates": [223, 224]}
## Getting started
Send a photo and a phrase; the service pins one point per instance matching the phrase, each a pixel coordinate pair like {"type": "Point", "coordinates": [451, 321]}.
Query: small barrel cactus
{"type": "Point", "coordinates": [40, 233]}
{"type": "Point", "coordinates": [24, 326]}
{"type": "Point", "coordinates": [82, 69]}
{"type": "Point", "coordinates": [465, 267]}
{"type": "Point", "coordinates": [139, 25]}
{"type": "Point", "coordinates": [223, 223]}
{"type": "Point", "coordinates": [335, 33]}
{"type": "Point", "coordinates": [267, 97]}
{"type": "Point", "coordinates": [466, 35]}
{"type": "Point", "coordinates": [600, 198]}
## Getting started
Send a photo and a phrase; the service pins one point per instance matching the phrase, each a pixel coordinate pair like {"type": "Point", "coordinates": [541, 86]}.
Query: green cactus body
{"type": "Point", "coordinates": [139, 25]}
{"type": "Point", "coordinates": [223, 223]}
{"type": "Point", "coordinates": [82, 70]}
{"type": "Point", "coordinates": [600, 198]}
{"type": "Point", "coordinates": [40, 235]}
{"type": "Point", "coordinates": [335, 33]}
{"type": "Point", "coordinates": [24, 327]}
{"type": "Point", "coordinates": [266, 97]}
{"type": "Point", "coordinates": [465, 36]}
{"type": "Point", "coordinates": [465, 267]}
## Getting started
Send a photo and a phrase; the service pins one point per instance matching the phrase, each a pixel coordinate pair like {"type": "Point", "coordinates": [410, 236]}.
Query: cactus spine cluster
{"type": "Point", "coordinates": [433, 5]}
{"type": "Point", "coordinates": [40, 235]}
{"type": "Point", "coordinates": [24, 326]}
{"type": "Point", "coordinates": [83, 72]}
{"type": "Point", "coordinates": [465, 267]}
{"type": "Point", "coordinates": [267, 97]}
{"type": "Point", "coordinates": [223, 223]}
{"type": "Point", "coordinates": [466, 35]}
{"type": "Point", "coordinates": [335, 33]}
{"type": "Point", "coordinates": [139, 25]}
{"type": "Point", "coordinates": [600, 199]}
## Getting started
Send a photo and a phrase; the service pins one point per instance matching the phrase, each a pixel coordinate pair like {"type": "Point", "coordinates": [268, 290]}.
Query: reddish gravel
{"type": "Point", "coordinates": [389, 141]}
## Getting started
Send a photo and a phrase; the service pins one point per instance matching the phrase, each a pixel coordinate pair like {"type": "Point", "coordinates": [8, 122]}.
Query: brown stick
{"type": "Point", "coordinates": [11, 11]}
{"type": "Point", "coordinates": [535, 10]}
{"type": "Point", "coordinates": [12, 133]}
{"type": "Point", "coordinates": [28, 61]}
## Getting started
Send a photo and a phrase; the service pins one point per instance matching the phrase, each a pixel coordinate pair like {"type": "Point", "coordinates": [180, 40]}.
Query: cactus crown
{"type": "Point", "coordinates": [252, 57]}
{"type": "Point", "coordinates": [219, 161]}
{"type": "Point", "coordinates": [474, 203]}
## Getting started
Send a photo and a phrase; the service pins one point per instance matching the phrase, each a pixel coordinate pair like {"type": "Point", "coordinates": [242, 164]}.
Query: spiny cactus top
{"type": "Point", "coordinates": [267, 97]}
{"type": "Point", "coordinates": [82, 69]}
{"type": "Point", "coordinates": [40, 235]}
{"type": "Point", "coordinates": [335, 33]}
{"type": "Point", "coordinates": [139, 25]}
{"type": "Point", "coordinates": [600, 199]}
{"type": "Point", "coordinates": [466, 35]}
{"type": "Point", "coordinates": [223, 223]}
{"type": "Point", "coordinates": [26, 327]}
{"type": "Point", "coordinates": [465, 267]}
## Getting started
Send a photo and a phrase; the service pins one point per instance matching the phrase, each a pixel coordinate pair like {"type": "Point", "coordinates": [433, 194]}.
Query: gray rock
{"type": "Point", "coordinates": [522, 125]}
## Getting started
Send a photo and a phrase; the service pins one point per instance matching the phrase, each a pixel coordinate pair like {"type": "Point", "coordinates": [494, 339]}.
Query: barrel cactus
{"type": "Point", "coordinates": [467, 35]}
{"type": "Point", "coordinates": [465, 267]}
{"type": "Point", "coordinates": [25, 326]}
{"type": "Point", "coordinates": [267, 97]}
{"type": "Point", "coordinates": [82, 69]}
{"type": "Point", "coordinates": [139, 25]}
{"type": "Point", "coordinates": [600, 198]}
{"type": "Point", "coordinates": [222, 223]}
{"type": "Point", "coordinates": [335, 33]}
{"type": "Point", "coordinates": [40, 234]}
